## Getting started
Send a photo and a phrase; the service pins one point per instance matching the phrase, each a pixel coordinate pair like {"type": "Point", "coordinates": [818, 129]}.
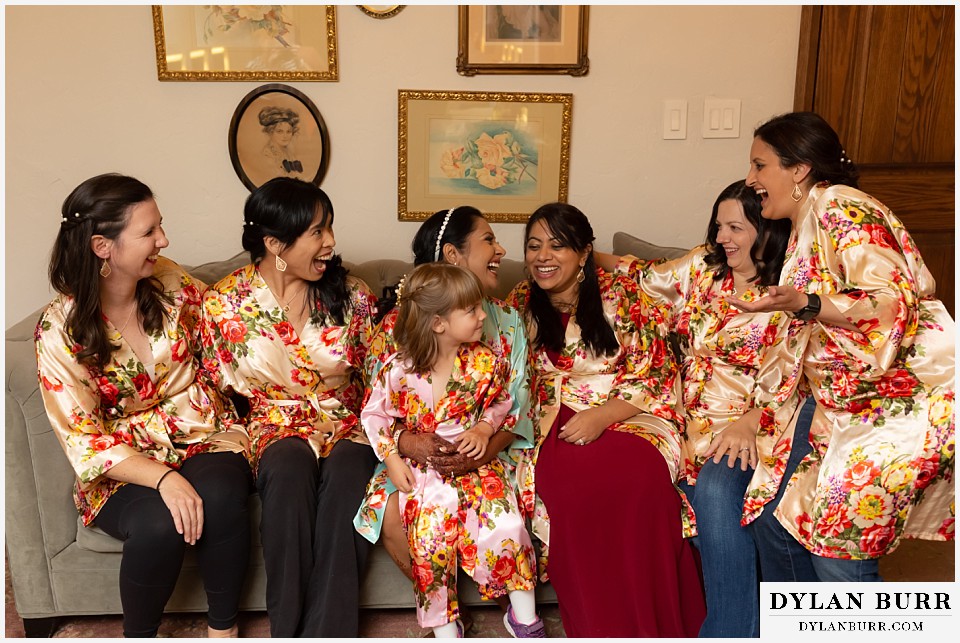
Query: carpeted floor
{"type": "Point", "coordinates": [914, 560]}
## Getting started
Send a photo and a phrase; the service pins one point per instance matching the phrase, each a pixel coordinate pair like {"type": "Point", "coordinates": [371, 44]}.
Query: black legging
{"type": "Point", "coordinates": [313, 556]}
{"type": "Point", "coordinates": [153, 550]}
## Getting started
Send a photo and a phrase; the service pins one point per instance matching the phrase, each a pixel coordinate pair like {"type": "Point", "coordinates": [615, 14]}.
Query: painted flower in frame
{"type": "Point", "coordinates": [494, 158]}
{"type": "Point", "coordinates": [268, 18]}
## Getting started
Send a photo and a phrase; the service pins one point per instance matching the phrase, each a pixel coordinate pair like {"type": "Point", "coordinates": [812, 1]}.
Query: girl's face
{"type": "Point", "coordinates": [282, 134]}
{"type": "Point", "coordinates": [481, 255]}
{"type": "Point", "coordinates": [307, 256]}
{"type": "Point", "coordinates": [552, 265]}
{"type": "Point", "coordinates": [135, 251]}
{"type": "Point", "coordinates": [737, 236]}
{"type": "Point", "coordinates": [774, 183]}
{"type": "Point", "coordinates": [463, 325]}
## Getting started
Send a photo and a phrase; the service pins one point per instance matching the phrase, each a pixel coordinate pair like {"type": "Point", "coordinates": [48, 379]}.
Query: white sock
{"type": "Point", "coordinates": [448, 631]}
{"type": "Point", "coordinates": [524, 605]}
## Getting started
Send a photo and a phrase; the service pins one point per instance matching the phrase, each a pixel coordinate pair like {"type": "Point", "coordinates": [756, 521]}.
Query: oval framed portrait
{"type": "Point", "coordinates": [277, 131]}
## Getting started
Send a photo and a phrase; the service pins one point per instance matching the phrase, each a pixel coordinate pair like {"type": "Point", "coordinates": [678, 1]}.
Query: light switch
{"type": "Point", "coordinates": [721, 118]}
{"type": "Point", "coordinates": [674, 119]}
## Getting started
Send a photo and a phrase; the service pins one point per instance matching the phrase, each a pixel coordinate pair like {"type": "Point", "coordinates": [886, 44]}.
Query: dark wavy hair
{"type": "Point", "coordinates": [805, 137]}
{"type": "Point", "coordinates": [99, 206]}
{"type": "Point", "coordinates": [768, 248]}
{"type": "Point", "coordinates": [284, 208]}
{"type": "Point", "coordinates": [463, 220]}
{"type": "Point", "coordinates": [571, 228]}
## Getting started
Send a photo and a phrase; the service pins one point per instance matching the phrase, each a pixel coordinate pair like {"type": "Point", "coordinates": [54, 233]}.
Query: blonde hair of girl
{"type": "Point", "coordinates": [431, 290]}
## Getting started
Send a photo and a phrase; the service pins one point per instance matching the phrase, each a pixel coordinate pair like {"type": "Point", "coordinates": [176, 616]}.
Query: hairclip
{"type": "Point", "coordinates": [400, 289]}
{"type": "Point", "coordinates": [843, 157]}
{"type": "Point", "coordinates": [443, 227]}
{"type": "Point", "coordinates": [249, 223]}
{"type": "Point", "coordinates": [64, 219]}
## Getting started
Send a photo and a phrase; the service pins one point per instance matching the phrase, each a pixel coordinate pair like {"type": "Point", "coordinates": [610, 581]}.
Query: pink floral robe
{"type": "Point", "coordinates": [883, 433]}
{"type": "Point", "coordinates": [102, 417]}
{"type": "Point", "coordinates": [473, 518]}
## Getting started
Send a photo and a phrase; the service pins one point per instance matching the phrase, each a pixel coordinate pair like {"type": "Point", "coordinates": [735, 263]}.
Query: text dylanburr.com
{"type": "Point", "coordinates": [855, 610]}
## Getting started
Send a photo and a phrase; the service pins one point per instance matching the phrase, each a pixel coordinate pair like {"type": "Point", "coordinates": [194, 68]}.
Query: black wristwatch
{"type": "Point", "coordinates": [811, 310]}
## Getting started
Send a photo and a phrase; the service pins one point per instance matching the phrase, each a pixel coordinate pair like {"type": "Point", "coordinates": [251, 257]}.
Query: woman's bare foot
{"type": "Point", "coordinates": [230, 633]}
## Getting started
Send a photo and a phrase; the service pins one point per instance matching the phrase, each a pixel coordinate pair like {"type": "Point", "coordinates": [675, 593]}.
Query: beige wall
{"type": "Point", "coordinates": [82, 97]}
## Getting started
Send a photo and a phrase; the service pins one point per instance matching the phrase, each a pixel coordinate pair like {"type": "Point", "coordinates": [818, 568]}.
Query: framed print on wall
{"type": "Point", "coordinates": [505, 153]}
{"type": "Point", "coordinates": [277, 131]}
{"type": "Point", "coordinates": [246, 42]}
{"type": "Point", "coordinates": [523, 39]}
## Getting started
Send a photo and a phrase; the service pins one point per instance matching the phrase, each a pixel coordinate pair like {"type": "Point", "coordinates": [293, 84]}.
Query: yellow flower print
{"type": "Point", "coordinates": [897, 477]}
{"type": "Point", "coordinates": [228, 284]}
{"type": "Point", "coordinates": [853, 213]}
{"type": "Point", "coordinates": [482, 362]}
{"type": "Point", "coordinates": [941, 409]}
{"type": "Point", "coordinates": [868, 506]}
{"type": "Point", "coordinates": [275, 416]}
{"type": "Point", "coordinates": [213, 308]}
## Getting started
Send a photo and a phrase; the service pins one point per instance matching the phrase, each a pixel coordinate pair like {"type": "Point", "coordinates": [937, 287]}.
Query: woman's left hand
{"type": "Point", "coordinates": [783, 298]}
{"type": "Point", "coordinates": [584, 427]}
{"type": "Point", "coordinates": [737, 441]}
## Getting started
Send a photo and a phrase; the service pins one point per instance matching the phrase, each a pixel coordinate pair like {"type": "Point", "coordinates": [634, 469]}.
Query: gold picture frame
{"type": "Point", "coordinates": [523, 39]}
{"type": "Point", "coordinates": [381, 11]}
{"type": "Point", "coordinates": [246, 42]}
{"type": "Point", "coordinates": [506, 153]}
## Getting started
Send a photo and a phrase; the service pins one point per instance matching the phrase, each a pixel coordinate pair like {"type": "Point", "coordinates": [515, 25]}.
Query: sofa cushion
{"type": "Point", "coordinates": [627, 244]}
{"type": "Point", "coordinates": [214, 271]}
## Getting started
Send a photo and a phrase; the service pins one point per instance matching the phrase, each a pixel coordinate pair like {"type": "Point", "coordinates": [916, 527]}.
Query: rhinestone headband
{"type": "Point", "coordinates": [443, 227]}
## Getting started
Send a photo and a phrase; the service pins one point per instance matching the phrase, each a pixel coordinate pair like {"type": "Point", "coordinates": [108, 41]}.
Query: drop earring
{"type": "Point", "coordinates": [105, 268]}
{"type": "Point", "coordinates": [281, 264]}
{"type": "Point", "coordinates": [580, 276]}
{"type": "Point", "coordinates": [796, 195]}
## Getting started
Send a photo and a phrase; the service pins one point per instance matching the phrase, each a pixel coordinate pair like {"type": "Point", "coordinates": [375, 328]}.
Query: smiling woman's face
{"type": "Point", "coordinates": [553, 265]}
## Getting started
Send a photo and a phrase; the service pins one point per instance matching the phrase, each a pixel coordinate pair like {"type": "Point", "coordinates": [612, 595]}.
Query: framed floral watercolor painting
{"type": "Point", "coordinates": [277, 131]}
{"type": "Point", "coordinates": [246, 42]}
{"type": "Point", "coordinates": [523, 39]}
{"type": "Point", "coordinates": [505, 153]}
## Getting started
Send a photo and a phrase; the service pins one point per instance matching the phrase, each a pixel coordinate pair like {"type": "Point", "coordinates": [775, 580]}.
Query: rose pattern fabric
{"type": "Point", "coordinates": [504, 334]}
{"type": "Point", "coordinates": [473, 518]}
{"type": "Point", "coordinates": [642, 372]}
{"type": "Point", "coordinates": [306, 385]}
{"type": "Point", "coordinates": [720, 348]}
{"type": "Point", "coordinates": [104, 416]}
{"type": "Point", "coordinates": [883, 440]}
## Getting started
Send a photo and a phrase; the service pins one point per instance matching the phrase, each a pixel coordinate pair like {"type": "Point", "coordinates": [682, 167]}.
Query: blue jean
{"type": "Point", "coordinates": [782, 558]}
{"type": "Point", "coordinates": [727, 552]}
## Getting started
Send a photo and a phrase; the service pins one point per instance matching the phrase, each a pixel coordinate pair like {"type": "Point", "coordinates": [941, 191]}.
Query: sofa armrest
{"type": "Point", "coordinates": [627, 244]}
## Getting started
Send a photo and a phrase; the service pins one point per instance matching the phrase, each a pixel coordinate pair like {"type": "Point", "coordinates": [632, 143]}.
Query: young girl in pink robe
{"type": "Point", "coordinates": [444, 380]}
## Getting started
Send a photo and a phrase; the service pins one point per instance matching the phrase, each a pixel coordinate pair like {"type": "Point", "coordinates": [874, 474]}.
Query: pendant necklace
{"type": "Point", "coordinates": [129, 317]}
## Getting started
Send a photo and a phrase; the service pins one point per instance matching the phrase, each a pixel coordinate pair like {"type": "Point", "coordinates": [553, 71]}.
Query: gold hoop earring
{"type": "Point", "coordinates": [796, 195]}
{"type": "Point", "coordinates": [580, 276]}
{"type": "Point", "coordinates": [281, 264]}
{"type": "Point", "coordinates": [105, 269]}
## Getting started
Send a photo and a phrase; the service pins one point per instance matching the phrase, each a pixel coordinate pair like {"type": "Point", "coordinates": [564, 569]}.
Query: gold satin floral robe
{"type": "Point", "coordinates": [642, 372]}
{"type": "Point", "coordinates": [883, 433]}
{"type": "Point", "coordinates": [472, 519]}
{"type": "Point", "coordinates": [307, 386]}
{"type": "Point", "coordinates": [102, 417]}
{"type": "Point", "coordinates": [721, 347]}
{"type": "Point", "coordinates": [504, 333]}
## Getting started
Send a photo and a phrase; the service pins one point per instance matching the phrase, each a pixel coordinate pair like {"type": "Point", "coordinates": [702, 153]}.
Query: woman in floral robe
{"type": "Point", "coordinates": [459, 236]}
{"type": "Point", "coordinates": [158, 462]}
{"type": "Point", "coordinates": [876, 349]}
{"type": "Point", "coordinates": [720, 350]}
{"type": "Point", "coordinates": [289, 333]}
{"type": "Point", "coordinates": [608, 447]}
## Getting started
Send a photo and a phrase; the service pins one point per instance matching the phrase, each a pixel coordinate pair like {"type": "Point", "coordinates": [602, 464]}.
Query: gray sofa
{"type": "Point", "coordinates": [58, 567]}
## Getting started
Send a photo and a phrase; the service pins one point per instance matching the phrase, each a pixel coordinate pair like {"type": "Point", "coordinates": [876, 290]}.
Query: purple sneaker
{"type": "Point", "coordinates": [518, 630]}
